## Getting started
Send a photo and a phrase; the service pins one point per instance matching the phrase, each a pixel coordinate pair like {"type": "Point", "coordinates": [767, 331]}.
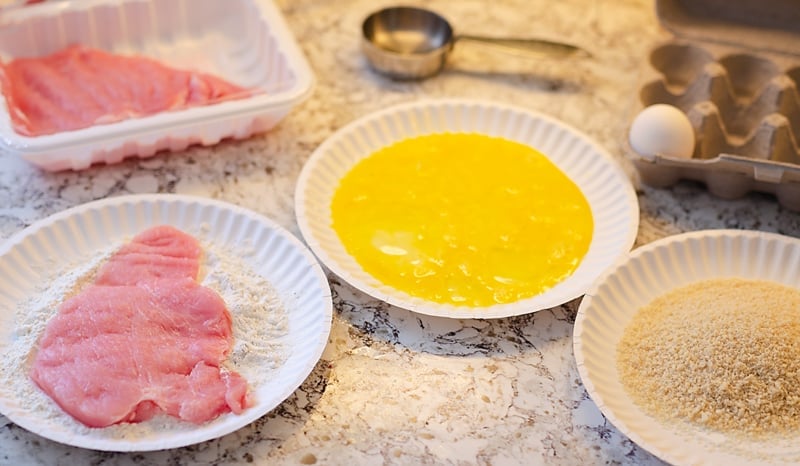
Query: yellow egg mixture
{"type": "Point", "coordinates": [464, 219]}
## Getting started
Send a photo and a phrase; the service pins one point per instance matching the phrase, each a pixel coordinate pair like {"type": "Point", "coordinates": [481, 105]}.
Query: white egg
{"type": "Point", "coordinates": [662, 130]}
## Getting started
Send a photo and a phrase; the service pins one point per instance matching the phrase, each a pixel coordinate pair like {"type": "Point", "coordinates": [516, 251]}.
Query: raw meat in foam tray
{"type": "Point", "coordinates": [78, 87]}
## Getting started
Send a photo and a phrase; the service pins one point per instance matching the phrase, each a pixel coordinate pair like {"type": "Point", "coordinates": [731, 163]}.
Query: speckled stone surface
{"type": "Point", "coordinates": [394, 387]}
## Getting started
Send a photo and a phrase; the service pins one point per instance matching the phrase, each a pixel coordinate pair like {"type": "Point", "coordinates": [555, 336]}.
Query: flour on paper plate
{"type": "Point", "coordinates": [259, 320]}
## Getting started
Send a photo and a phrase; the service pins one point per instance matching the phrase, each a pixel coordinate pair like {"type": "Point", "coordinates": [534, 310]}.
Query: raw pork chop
{"type": "Point", "coordinates": [144, 337]}
{"type": "Point", "coordinates": [79, 87]}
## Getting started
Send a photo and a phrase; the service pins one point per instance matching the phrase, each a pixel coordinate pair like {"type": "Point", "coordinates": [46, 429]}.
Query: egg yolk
{"type": "Point", "coordinates": [463, 219]}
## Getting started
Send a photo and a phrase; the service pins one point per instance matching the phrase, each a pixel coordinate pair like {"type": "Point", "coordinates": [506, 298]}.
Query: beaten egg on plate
{"type": "Point", "coordinates": [463, 219]}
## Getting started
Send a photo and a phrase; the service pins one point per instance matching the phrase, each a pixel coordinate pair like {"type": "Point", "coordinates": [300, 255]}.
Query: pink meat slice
{"type": "Point", "coordinates": [78, 87]}
{"type": "Point", "coordinates": [156, 253]}
{"type": "Point", "coordinates": [141, 340]}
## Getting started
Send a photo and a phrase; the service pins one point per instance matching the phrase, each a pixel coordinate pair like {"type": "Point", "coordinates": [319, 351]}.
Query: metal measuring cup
{"type": "Point", "coordinates": [413, 43]}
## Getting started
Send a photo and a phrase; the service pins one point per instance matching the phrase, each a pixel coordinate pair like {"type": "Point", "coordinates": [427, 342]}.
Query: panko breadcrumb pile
{"type": "Point", "coordinates": [722, 353]}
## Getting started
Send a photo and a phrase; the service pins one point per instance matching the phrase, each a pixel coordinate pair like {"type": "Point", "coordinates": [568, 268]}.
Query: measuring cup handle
{"type": "Point", "coordinates": [539, 46]}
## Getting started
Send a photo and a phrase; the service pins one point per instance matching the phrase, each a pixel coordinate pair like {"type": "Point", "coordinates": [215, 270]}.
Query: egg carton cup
{"type": "Point", "coordinates": [246, 42]}
{"type": "Point", "coordinates": [742, 101]}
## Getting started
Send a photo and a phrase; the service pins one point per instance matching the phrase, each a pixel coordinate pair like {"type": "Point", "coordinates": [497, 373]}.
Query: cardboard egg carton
{"type": "Point", "coordinates": [734, 69]}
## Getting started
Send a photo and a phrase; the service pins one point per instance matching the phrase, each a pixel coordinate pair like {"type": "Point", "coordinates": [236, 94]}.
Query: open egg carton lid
{"type": "Point", "coordinates": [732, 69]}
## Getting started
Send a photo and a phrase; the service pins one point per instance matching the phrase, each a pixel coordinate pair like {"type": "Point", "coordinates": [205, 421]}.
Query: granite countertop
{"type": "Point", "coordinates": [394, 387]}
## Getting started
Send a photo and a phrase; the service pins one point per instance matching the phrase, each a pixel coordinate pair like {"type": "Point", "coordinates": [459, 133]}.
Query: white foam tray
{"type": "Point", "coordinates": [246, 42]}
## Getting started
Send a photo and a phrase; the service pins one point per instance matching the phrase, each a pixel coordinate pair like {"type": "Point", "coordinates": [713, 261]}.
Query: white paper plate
{"type": "Point", "coordinates": [78, 233]}
{"type": "Point", "coordinates": [609, 192]}
{"type": "Point", "coordinates": [651, 271]}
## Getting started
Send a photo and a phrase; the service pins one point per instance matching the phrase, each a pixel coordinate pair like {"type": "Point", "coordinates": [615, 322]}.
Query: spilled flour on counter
{"type": "Point", "coordinates": [260, 325]}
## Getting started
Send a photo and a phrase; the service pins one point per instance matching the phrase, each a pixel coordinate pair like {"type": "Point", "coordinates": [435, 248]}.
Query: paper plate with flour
{"type": "Point", "coordinates": [273, 287]}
